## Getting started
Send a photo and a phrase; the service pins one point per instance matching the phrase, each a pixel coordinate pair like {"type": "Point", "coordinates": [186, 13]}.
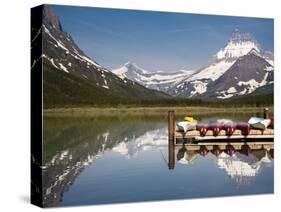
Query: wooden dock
{"type": "Point", "coordinates": [255, 140]}
{"type": "Point", "coordinates": [254, 134]}
{"type": "Point", "coordinates": [194, 135]}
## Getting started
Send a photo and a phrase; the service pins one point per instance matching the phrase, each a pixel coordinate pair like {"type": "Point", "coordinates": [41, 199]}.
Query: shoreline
{"type": "Point", "coordinates": [148, 111]}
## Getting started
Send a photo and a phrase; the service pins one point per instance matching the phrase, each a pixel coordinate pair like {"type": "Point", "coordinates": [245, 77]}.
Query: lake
{"type": "Point", "coordinates": [100, 160]}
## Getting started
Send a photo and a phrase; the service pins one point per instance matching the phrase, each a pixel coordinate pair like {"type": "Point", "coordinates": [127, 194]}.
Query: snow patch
{"type": "Point", "coordinates": [237, 47]}
{"type": "Point", "coordinates": [51, 60]}
{"type": "Point", "coordinates": [269, 68]}
{"type": "Point", "coordinates": [59, 43]}
{"type": "Point", "coordinates": [213, 72]}
{"type": "Point", "coordinates": [63, 68]}
{"type": "Point", "coordinates": [231, 90]}
{"type": "Point", "coordinates": [84, 76]}
{"type": "Point", "coordinates": [90, 61]}
{"type": "Point", "coordinates": [105, 86]}
{"type": "Point", "coordinates": [199, 87]}
{"type": "Point", "coordinates": [252, 84]}
{"type": "Point", "coordinates": [225, 96]}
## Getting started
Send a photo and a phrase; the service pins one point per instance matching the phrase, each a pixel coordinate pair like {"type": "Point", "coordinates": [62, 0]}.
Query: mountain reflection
{"type": "Point", "coordinates": [151, 139]}
{"type": "Point", "coordinates": [72, 144]}
{"type": "Point", "coordinates": [242, 166]}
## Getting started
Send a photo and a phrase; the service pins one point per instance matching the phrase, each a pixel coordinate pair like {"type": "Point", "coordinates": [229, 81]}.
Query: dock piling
{"type": "Point", "coordinates": [171, 139]}
{"type": "Point", "coordinates": [171, 126]}
{"type": "Point", "coordinates": [265, 113]}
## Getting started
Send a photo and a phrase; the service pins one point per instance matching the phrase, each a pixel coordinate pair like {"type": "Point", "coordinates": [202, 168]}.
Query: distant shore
{"type": "Point", "coordinates": [148, 111]}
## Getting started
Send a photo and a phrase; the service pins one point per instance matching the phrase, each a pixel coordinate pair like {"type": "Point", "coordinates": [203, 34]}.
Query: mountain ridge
{"type": "Point", "coordinates": [70, 77]}
{"type": "Point", "coordinates": [157, 80]}
{"type": "Point", "coordinates": [198, 83]}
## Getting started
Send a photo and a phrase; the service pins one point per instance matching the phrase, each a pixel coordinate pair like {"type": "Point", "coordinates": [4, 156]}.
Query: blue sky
{"type": "Point", "coordinates": [155, 40]}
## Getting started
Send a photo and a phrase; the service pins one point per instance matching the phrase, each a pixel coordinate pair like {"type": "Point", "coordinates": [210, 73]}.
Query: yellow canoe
{"type": "Point", "coordinates": [190, 119]}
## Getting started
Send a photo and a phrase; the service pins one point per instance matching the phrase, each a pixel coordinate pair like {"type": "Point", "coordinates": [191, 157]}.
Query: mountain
{"type": "Point", "coordinates": [245, 76]}
{"type": "Point", "coordinates": [159, 80]}
{"type": "Point", "coordinates": [203, 83]}
{"type": "Point", "coordinates": [238, 45]}
{"type": "Point", "coordinates": [70, 77]}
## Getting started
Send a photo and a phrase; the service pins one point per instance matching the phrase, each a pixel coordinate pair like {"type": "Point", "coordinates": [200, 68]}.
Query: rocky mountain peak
{"type": "Point", "coordinates": [51, 18]}
{"type": "Point", "coordinates": [239, 44]}
{"type": "Point", "coordinates": [238, 37]}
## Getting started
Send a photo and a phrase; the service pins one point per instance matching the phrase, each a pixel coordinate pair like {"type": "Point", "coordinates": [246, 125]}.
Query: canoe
{"type": "Point", "coordinates": [202, 128]}
{"type": "Point", "coordinates": [190, 119]}
{"type": "Point", "coordinates": [216, 128]}
{"type": "Point", "coordinates": [229, 128]}
{"type": "Point", "coordinates": [184, 126]}
{"type": "Point", "coordinates": [259, 123]}
{"type": "Point", "coordinates": [244, 127]}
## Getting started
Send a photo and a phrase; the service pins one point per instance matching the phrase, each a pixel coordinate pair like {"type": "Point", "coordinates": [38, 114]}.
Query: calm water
{"type": "Point", "coordinates": [111, 160]}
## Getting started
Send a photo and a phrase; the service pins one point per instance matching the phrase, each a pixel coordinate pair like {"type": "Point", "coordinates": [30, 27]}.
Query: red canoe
{"type": "Point", "coordinates": [244, 127]}
{"type": "Point", "coordinates": [229, 128]}
{"type": "Point", "coordinates": [216, 128]}
{"type": "Point", "coordinates": [202, 128]}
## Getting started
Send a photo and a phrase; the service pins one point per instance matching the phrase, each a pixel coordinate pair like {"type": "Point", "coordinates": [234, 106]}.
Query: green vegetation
{"type": "Point", "coordinates": [63, 90]}
{"type": "Point", "coordinates": [110, 101]}
{"type": "Point", "coordinates": [149, 111]}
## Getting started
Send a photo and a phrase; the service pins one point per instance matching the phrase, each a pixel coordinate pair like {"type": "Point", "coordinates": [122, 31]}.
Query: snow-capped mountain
{"type": "Point", "coordinates": [70, 76]}
{"type": "Point", "coordinates": [243, 169]}
{"type": "Point", "coordinates": [248, 73]}
{"type": "Point", "coordinates": [239, 45]}
{"type": "Point", "coordinates": [223, 77]}
{"type": "Point", "coordinates": [159, 80]}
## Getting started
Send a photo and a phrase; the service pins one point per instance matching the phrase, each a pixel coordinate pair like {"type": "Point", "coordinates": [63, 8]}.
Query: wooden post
{"type": "Point", "coordinates": [171, 162]}
{"type": "Point", "coordinates": [171, 126]}
{"type": "Point", "coordinates": [171, 139]}
{"type": "Point", "coordinates": [265, 113]}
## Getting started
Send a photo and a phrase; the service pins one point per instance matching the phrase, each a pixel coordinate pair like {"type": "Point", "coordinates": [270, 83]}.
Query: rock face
{"type": "Point", "coordinates": [50, 18]}
{"type": "Point", "coordinates": [241, 60]}
{"type": "Point", "coordinates": [238, 45]}
{"type": "Point", "coordinates": [245, 76]}
{"type": "Point", "coordinates": [70, 77]}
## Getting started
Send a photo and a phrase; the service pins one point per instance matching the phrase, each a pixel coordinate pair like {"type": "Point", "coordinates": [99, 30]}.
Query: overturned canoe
{"type": "Point", "coordinates": [202, 128]}
{"type": "Point", "coordinates": [216, 128]}
{"type": "Point", "coordinates": [184, 126]}
{"type": "Point", "coordinates": [244, 127]}
{"type": "Point", "coordinates": [259, 123]}
{"type": "Point", "coordinates": [230, 128]}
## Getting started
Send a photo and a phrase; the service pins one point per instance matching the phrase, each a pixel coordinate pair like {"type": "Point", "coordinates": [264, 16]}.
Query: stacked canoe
{"type": "Point", "coordinates": [255, 128]}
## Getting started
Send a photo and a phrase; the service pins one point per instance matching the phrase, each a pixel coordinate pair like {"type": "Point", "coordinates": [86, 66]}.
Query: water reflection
{"type": "Point", "coordinates": [242, 163]}
{"type": "Point", "coordinates": [72, 145]}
